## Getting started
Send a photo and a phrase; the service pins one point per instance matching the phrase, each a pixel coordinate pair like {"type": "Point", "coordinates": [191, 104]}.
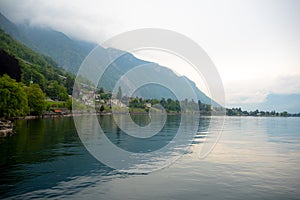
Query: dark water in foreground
{"type": "Point", "coordinates": [255, 158]}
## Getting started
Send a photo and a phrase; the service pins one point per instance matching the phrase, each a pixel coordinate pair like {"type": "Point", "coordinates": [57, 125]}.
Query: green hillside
{"type": "Point", "coordinates": [66, 52]}
{"type": "Point", "coordinates": [70, 53]}
{"type": "Point", "coordinates": [27, 77]}
{"type": "Point", "coordinates": [37, 68]}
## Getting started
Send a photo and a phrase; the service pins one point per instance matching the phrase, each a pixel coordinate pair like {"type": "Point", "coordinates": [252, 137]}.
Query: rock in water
{"type": "Point", "coordinates": [6, 128]}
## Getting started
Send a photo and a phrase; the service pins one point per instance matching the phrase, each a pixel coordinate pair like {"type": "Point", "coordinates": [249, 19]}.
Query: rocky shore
{"type": "Point", "coordinates": [6, 128]}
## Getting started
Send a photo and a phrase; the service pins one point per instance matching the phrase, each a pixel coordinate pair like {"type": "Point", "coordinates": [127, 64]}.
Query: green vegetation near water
{"type": "Point", "coordinates": [240, 112]}
{"type": "Point", "coordinates": [17, 99]}
{"type": "Point", "coordinates": [40, 78]}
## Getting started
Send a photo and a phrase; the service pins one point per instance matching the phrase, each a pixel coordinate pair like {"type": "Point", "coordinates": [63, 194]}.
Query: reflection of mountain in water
{"type": "Point", "coordinates": [46, 157]}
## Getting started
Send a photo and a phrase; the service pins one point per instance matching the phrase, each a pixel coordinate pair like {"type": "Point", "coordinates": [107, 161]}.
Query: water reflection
{"type": "Point", "coordinates": [256, 158]}
{"type": "Point", "coordinates": [137, 154]}
{"type": "Point", "coordinates": [139, 145]}
{"type": "Point", "coordinates": [45, 153]}
{"type": "Point", "coordinates": [42, 153]}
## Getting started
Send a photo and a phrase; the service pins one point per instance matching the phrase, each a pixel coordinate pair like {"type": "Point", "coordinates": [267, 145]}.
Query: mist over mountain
{"type": "Point", "coordinates": [128, 62]}
{"type": "Point", "coordinates": [69, 54]}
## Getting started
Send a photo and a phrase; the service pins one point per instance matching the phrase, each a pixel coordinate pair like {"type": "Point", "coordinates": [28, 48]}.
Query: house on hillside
{"type": "Point", "coordinates": [117, 102]}
{"type": "Point", "coordinates": [148, 105]}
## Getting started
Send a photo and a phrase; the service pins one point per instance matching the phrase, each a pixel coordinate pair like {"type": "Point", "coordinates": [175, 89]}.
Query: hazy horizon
{"type": "Point", "coordinates": [255, 45]}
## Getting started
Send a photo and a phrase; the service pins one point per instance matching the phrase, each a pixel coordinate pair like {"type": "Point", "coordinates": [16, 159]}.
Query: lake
{"type": "Point", "coordinates": [255, 158]}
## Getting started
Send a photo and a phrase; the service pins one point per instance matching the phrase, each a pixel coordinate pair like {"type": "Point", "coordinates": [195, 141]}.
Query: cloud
{"type": "Point", "coordinates": [245, 92]}
{"type": "Point", "coordinates": [256, 91]}
{"type": "Point", "coordinates": [85, 20]}
{"type": "Point", "coordinates": [254, 44]}
{"type": "Point", "coordinates": [286, 85]}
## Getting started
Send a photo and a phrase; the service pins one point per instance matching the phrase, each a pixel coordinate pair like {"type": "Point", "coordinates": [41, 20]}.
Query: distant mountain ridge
{"type": "Point", "coordinates": [277, 102]}
{"type": "Point", "coordinates": [69, 55]}
{"type": "Point", "coordinates": [283, 102]}
{"type": "Point", "coordinates": [128, 61]}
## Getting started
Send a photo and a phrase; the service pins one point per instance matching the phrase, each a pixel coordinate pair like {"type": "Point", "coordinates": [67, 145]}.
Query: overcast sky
{"type": "Point", "coordinates": [255, 45]}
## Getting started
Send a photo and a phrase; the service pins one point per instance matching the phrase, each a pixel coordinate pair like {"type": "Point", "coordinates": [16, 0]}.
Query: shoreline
{"type": "Point", "coordinates": [46, 116]}
{"type": "Point", "coordinates": [6, 125]}
{"type": "Point", "coordinates": [6, 128]}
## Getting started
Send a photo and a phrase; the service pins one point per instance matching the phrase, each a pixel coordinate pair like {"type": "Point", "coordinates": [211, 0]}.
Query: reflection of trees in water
{"type": "Point", "coordinates": [42, 153]}
{"type": "Point", "coordinates": [133, 144]}
{"type": "Point", "coordinates": [204, 123]}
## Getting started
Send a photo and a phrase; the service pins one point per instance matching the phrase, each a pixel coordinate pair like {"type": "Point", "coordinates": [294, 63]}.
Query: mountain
{"type": "Point", "coordinates": [277, 102]}
{"type": "Point", "coordinates": [25, 65]}
{"type": "Point", "coordinates": [69, 55]}
{"type": "Point", "coordinates": [127, 62]}
{"type": "Point", "coordinates": [282, 102]}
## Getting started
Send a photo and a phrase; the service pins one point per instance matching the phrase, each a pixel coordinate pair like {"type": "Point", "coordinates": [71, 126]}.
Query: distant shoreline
{"type": "Point", "coordinates": [46, 116]}
{"type": "Point", "coordinates": [6, 129]}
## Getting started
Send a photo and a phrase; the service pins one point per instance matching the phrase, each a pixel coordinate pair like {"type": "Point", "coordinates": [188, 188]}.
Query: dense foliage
{"type": "Point", "coordinates": [13, 98]}
{"type": "Point", "coordinates": [240, 112]}
{"type": "Point", "coordinates": [56, 91]}
{"type": "Point", "coordinates": [170, 105]}
{"type": "Point", "coordinates": [36, 99]}
{"type": "Point", "coordinates": [40, 77]}
{"type": "Point", "coordinates": [37, 68]}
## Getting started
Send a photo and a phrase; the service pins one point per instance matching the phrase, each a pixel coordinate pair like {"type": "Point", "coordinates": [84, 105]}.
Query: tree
{"type": "Point", "coordinates": [13, 98]}
{"type": "Point", "coordinates": [133, 103]}
{"type": "Point", "coordinates": [102, 108]}
{"type": "Point", "coordinates": [284, 114]}
{"type": "Point", "coordinates": [36, 99]}
{"type": "Point", "coordinates": [69, 83]}
{"type": "Point", "coordinates": [69, 104]}
{"type": "Point", "coordinates": [57, 91]}
{"type": "Point", "coordinates": [101, 90]}
{"type": "Point", "coordinates": [119, 94]}
{"type": "Point", "coordinates": [63, 94]}
{"type": "Point", "coordinates": [163, 102]}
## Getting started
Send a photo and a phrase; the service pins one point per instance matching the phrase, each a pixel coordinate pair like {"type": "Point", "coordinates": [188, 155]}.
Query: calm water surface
{"type": "Point", "coordinates": [255, 158]}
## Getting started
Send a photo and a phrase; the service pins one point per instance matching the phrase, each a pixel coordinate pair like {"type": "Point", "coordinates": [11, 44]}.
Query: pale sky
{"type": "Point", "coordinates": [255, 45]}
